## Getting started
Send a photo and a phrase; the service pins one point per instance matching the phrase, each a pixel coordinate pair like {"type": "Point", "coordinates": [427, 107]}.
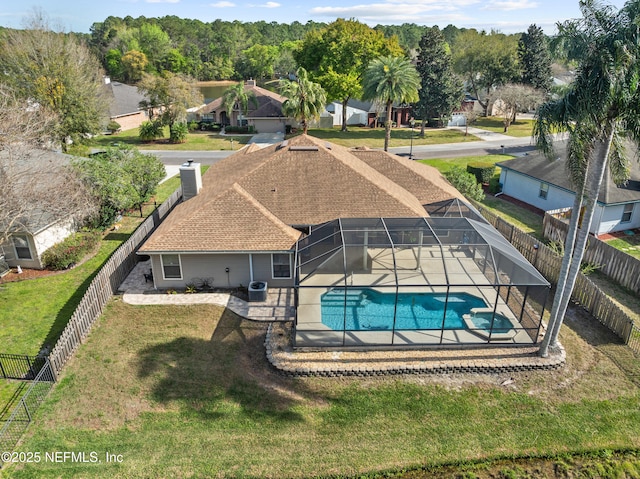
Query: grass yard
{"type": "Point", "coordinates": [196, 141]}
{"type": "Point", "coordinates": [628, 244]}
{"type": "Point", "coordinates": [185, 391]}
{"type": "Point", "coordinates": [34, 312]}
{"type": "Point", "coordinates": [520, 128]}
{"type": "Point", "coordinates": [374, 137]}
{"type": "Point", "coordinates": [523, 218]}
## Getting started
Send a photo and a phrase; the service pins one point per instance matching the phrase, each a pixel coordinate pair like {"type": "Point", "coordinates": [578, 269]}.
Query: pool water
{"type": "Point", "coordinates": [367, 309]}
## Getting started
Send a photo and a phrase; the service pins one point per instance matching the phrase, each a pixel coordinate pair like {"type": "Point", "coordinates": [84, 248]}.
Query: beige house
{"type": "Point", "coordinates": [265, 117]}
{"type": "Point", "coordinates": [240, 222]}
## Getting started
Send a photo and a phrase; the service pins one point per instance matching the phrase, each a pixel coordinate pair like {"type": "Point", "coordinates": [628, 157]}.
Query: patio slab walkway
{"type": "Point", "coordinates": [278, 307]}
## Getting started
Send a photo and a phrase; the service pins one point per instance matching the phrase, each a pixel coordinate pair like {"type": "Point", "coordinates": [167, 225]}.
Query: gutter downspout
{"type": "Point", "coordinates": [251, 267]}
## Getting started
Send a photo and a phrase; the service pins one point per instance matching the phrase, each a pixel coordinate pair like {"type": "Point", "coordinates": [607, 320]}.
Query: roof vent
{"type": "Point", "coordinates": [327, 145]}
{"type": "Point", "coordinates": [303, 148]}
{"type": "Point", "coordinates": [284, 144]}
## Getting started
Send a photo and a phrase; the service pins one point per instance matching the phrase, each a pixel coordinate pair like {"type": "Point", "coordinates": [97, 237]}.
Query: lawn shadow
{"type": "Point", "coordinates": [205, 376]}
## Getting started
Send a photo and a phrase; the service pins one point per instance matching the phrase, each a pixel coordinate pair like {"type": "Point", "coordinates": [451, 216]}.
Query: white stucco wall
{"type": "Point", "coordinates": [38, 244]}
{"type": "Point", "coordinates": [611, 216]}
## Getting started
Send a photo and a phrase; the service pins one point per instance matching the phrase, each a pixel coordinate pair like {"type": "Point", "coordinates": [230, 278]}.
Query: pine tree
{"type": "Point", "coordinates": [441, 91]}
{"type": "Point", "coordinates": [535, 59]}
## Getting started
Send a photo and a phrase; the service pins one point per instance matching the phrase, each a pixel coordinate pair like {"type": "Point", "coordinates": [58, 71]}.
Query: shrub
{"type": "Point", "coordinates": [178, 133]}
{"type": "Point", "coordinates": [482, 171]}
{"type": "Point", "coordinates": [113, 127]}
{"type": "Point", "coordinates": [193, 126]}
{"type": "Point", "coordinates": [239, 129]}
{"type": "Point", "coordinates": [494, 185]}
{"type": "Point", "coordinates": [70, 251]}
{"type": "Point", "coordinates": [465, 183]}
{"type": "Point", "coordinates": [150, 130]}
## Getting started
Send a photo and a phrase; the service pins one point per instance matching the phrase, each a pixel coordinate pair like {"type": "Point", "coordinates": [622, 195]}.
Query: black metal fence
{"type": "Point", "coordinates": [20, 366]}
{"type": "Point", "coordinates": [25, 408]}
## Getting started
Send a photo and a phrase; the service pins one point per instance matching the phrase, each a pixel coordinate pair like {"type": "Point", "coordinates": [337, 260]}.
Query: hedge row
{"type": "Point", "coordinates": [66, 254]}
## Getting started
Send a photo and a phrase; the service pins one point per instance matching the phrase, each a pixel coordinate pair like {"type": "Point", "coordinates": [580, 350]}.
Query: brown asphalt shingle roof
{"type": "Point", "coordinates": [269, 104]}
{"type": "Point", "coordinates": [251, 200]}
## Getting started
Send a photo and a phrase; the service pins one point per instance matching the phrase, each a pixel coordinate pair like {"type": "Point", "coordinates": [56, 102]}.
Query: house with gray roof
{"type": "Point", "coordinates": [124, 107]}
{"type": "Point", "coordinates": [546, 185]}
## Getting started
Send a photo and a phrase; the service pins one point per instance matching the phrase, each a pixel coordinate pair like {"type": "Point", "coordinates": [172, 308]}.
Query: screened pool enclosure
{"type": "Point", "coordinates": [442, 280]}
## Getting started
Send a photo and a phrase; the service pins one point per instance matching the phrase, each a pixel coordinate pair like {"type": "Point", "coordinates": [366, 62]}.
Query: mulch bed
{"type": "Point", "coordinates": [13, 275]}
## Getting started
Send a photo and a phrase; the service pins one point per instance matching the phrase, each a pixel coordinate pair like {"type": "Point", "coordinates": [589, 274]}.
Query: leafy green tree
{"type": "Point", "coordinates": [120, 179]}
{"type": "Point", "coordinates": [391, 80]}
{"type": "Point", "coordinates": [535, 59]}
{"type": "Point", "coordinates": [486, 61]}
{"type": "Point", "coordinates": [257, 61]}
{"type": "Point", "coordinates": [338, 55]}
{"type": "Point", "coordinates": [134, 63]}
{"type": "Point", "coordinates": [238, 97]}
{"type": "Point", "coordinates": [305, 101]}
{"type": "Point", "coordinates": [58, 71]}
{"type": "Point", "coordinates": [169, 94]}
{"type": "Point", "coordinates": [601, 106]}
{"type": "Point", "coordinates": [441, 91]}
{"type": "Point", "coordinates": [113, 64]}
{"type": "Point", "coordinates": [154, 43]}
{"type": "Point", "coordinates": [174, 61]}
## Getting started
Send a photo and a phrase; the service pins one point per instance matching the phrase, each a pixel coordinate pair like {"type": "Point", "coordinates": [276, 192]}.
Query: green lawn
{"type": "Point", "coordinates": [374, 137]}
{"type": "Point", "coordinates": [185, 391]}
{"type": "Point", "coordinates": [628, 244]}
{"type": "Point", "coordinates": [523, 218]}
{"type": "Point", "coordinates": [520, 128]}
{"type": "Point", "coordinates": [34, 312]}
{"type": "Point", "coordinates": [196, 141]}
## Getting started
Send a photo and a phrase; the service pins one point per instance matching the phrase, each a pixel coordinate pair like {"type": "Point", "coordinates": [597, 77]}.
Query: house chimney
{"type": "Point", "coordinates": [191, 179]}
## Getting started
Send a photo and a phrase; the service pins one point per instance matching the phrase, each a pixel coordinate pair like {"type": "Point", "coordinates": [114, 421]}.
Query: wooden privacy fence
{"type": "Point", "coordinates": [618, 265]}
{"type": "Point", "coordinates": [104, 285]}
{"type": "Point", "coordinates": [585, 293]}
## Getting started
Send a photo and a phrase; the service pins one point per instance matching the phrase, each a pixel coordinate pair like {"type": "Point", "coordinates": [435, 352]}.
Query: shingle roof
{"type": "Point", "coordinates": [536, 165]}
{"type": "Point", "coordinates": [269, 104]}
{"type": "Point", "coordinates": [250, 200]}
{"type": "Point", "coordinates": [423, 181]}
{"type": "Point", "coordinates": [125, 99]}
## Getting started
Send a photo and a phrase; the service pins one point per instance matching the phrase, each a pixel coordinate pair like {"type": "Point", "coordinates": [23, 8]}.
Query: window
{"type": "Point", "coordinates": [281, 265]}
{"type": "Point", "coordinates": [544, 190]}
{"type": "Point", "coordinates": [171, 266]}
{"type": "Point", "coordinates": [21, 245]}
{"type": "Point", "coordinates": [627, 213]}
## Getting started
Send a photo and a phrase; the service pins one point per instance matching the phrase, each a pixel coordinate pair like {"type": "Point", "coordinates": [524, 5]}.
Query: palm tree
{"type": "Point", "coordinates": [305, 99]}
{"type": "Point", "coordinates": [237, 94]}
{"type": "Point", "coordinates": [600, 107]}
{"type": "Point", "coordinates": [392, 80]}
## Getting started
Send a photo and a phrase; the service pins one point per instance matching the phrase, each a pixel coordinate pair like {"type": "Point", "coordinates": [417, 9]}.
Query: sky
{"type": "Point", "coordinates": [506, 16]}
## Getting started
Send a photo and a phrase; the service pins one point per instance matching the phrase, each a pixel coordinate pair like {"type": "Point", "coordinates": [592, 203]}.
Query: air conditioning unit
{"type": "Point", "coordinates": [258, 291]}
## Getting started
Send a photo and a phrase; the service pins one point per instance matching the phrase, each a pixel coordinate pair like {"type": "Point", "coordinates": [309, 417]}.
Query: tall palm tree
{"type": "Point", "coordinates": [599, 109]}
{"type": "Point", "coordinates": [392, 80]}
{"type": "Point", "coordinates": [237, 94]}
{"type": "Point", "coordinates": [305, 101]}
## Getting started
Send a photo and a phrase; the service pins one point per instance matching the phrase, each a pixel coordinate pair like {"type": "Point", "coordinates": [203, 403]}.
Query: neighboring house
{"type": "Point", "coordinates": [41, 230]}
{"type": "Point", "coordinates": [125, 104]}
{"type": "Point", "coordinates": [357, 112]}
{"type": "Point", "coordinates": [256, 204]}
{"type": "Point", "coordinates": [267, 117]}
{"type": "Point", "coordinates": [545, 184]}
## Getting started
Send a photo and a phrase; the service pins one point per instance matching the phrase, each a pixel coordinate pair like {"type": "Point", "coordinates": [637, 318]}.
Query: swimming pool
{"type": "Point", "coordinates": [367, 309]}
